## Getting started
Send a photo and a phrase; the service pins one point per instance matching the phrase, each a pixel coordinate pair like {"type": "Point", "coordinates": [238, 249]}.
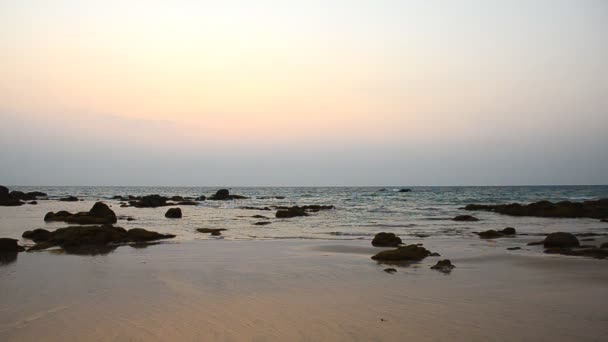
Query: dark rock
{"type": "Point", "coordinates": [592, 252]}
{"type": "Point", "coordinates": [604, 245]}
{"type": "Point", "coordinates": [271, 197]}
{"type": "Point", "coordinates": [588, 239]}
{"type": "Point", "coordinates": [259, 216]}
{"type": "Point", "coordinates": [177, 198]}
{"type": "Point", "coordinates": [405, 190]}
{"type": "Point", "coordinates": [386, 240]}
{"type": "Point", "coordinates": [32, 202]}
{"type": "Point", "coordinates": [262, 223]}
{"type": "Point", "coordinates": [444, 266]}
{"type": "Point", "coordinates": [212, 231]}
{"type": "Point", "coordinates": [8, 246]}
{"type": "Point", "coordinates": [174, 213]}
{"type": "Point", "coordinates": [187, 203]}
{"type": "Point", "coordinates": [124, 205]}
{"type": "Point", "coordinates": [100, 213]}
{"type": "Point", "coordinates": [291, 212]}
{"type": "Point", "coordinates": [509, 231]}
{"type": "Point", "coordinates": [201, 198]}
{"type": "Point", "coordinates": [95, 239]}
{"type": "Point", "coordinates": [561, 240]}
{"type": "Point", "coordinates": [435, 254]}
{"type": "Point", "coordinates": [224, 195]}
{"type": "Point", "coordinates": [405, 253]}
{"type": "Point", "coordinates": [69, 199]}
{"type": "Point", "coordinates": [390, 270]}
{"type": "Point", "coordinates": [536, 243]}
{"type": "Point", "coordinates": [256, 208]}
{"type": "Point", "coordinates": [490, 234]}
{"type": "Point", "coordinates": [3, 191]}
{"type": "Point", "coordinates": [513, 248]}
{"type": "Point", "coordinates": [27, 196]}
{"type": "Point", "coordinates": [467, 218]}
{"type": "Point", "coordinates": [591, 209]}
{"type": "Point", "coordinates": [149, 201]}
{"type": "Point", "coordinates": [37, 235]}
{"type": "Point", "coordinates": [604, 220]}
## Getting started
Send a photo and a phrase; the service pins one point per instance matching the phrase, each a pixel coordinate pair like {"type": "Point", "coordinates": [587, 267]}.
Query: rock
{"type": "Point", "coordinates": [262, 223]}
{"type": "Point", "coordinates": [591, 209]}
{"type": "Point", "coordinates": [224, 195]}
{"type": "Point", "coordinates": [405, 253]}
{"type": "Point", "coordinates": [37, 235]}
{"type": "Point", "coordinates": [69, 199]}
{"type": "Point", "coordinates": [100, 213]}
{"type": "Point", "coordinates": [187, 203]}
{"type": "Point", "coordinates": [467, 218]}
{"type": "Point", "coordinates": [290, 212]}
{"type": "Point", "coordinates": [8, 246]}
{"type": "Point", "coordinates": [588, 239]}
{"type": "Point", "coordinates": [32, 202]}
{"type": "Point", "coordinates": [604, 220]}
{"type": "Point", "coordinates": [27, 196]}
{"type": "Point", "coordinates": [260, 217]}
{"type": "Point", "coordinates": [271, 197]}
{"type": "Point", "coordinates": [509, 231]}
{"type": "Point", "coordinates": [386, 240]}
{"type": "Point", "coordinates": [390, 270]}
{"type": "Point", "coordinates": [592, 252]}
{"type": "Point", "coordinates": [85, 239]}
{"type": "Point", "coordinates": [201, 198]}
{"type": "Point", "coordinates": [434, 254]}
{"type": "Point", "coordinates": [124, 205]}
{"type": "Point", "coordinates": [149, 201]}
{"type": "Point", "coordinates": [177, 198]}
{"type": "Point", "coordinates": [405, 190]}
{"type": "Point", "coordinates": [3, 191]}
{"type": "Point", "coordinates": [213, 231]}
{"type": "Point", "coordinates": [513, 248]}
{"type": "Point", "coordinates": [561, 240]}
{"type": "Point", "coordinates": [256, 208]}
{"type": "Point", "coordinates": [174, 213]}
{"type": "Point", "coordinates": [444, 266]}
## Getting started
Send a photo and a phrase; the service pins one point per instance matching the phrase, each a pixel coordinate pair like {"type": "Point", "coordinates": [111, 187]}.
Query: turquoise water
{"type": "Point", "coordinates": [360, 212]}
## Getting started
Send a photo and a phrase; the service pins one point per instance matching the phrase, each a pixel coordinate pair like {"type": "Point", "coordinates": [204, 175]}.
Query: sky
{"type": "Point", "coordinates": [303, 93]}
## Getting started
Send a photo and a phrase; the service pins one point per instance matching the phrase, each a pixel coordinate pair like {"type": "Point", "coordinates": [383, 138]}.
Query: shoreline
{"type": "Point", "coordinates": [299, 290]}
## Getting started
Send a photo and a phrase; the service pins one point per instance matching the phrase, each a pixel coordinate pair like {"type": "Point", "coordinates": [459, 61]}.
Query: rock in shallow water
{"type": "Point", "coordinates": [174, 213]}
{"type": "Point", "coordinates": [224, 195]}
{"type": "Point", "coordinates": [493, 234]}
{"type": "Point", "coordinates": [405, 253]}
{"type": "Point", "coordinates": [383, 239]}
{"type": "Point", "coordinates": [592, 209]}
{"type": "Point", "coordinates": [444, 266]}
{"type": "Point", "coordinates": [466, 218]}
{"type": "Point", "coordinates": [561, 240]}
{"type": "Point", "coordinates": [8, 246]}
{"type": "Point", "coordinates": [100, 213]}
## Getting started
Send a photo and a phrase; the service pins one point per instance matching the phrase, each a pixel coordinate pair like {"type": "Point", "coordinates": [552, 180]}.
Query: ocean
{"type": "Point", "coordinates": [423, 214]}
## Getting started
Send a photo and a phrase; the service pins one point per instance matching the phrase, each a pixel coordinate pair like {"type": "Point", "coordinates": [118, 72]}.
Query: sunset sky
{"type": "Point", "coordinates": [303, 92]}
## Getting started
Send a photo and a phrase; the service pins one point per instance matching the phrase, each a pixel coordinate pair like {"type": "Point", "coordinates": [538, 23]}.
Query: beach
{"type": "Point", "coordinates": [301, 291]}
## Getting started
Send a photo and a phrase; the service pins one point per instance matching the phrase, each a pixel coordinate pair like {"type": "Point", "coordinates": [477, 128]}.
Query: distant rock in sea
{"type": "Point", "coordinates": [224, 195]}
{"type": "Point", "coordinates": [386, 240]}
{"type": "Point", "coordinates": [592, 209]}
{"type": "Point", "coordinates": [100, 213]}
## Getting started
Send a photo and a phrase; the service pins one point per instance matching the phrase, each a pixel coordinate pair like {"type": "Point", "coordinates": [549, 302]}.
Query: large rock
{"type": "Point", "coordinates": [386, 240]}
{"type": "Point", "coordinates": [7, 200]}
{"type": "Point", "coordinates": [77, 239]}
{"type": "Point", "coordinates": [405, 253]}
{"type": "Point", "coordinates": [8, 246]}
{"type": "Point", "coordinates": [100, 213]}
{"type": "Point", "coordinates": [593, 209]}
{"type": "Point", "coordinates": [174, 213]}
{"type": "Point", "coordinates": [561, 240]}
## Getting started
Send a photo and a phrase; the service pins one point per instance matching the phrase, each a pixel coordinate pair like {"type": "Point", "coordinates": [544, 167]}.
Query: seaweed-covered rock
{"type": "Point", "coordinates": [383, 239]}
{"type": "Point", "coordinates": [561, 240]}
{"type": "Point", "coordinates": [174, 213]}
{"type": "Point", "coordinates": [10, 246]}
{"type": "Point", "coordinates": [100, 213]}
{"type": "Point", "coordinates": [80, 238]}
{"type": "Point", "coordinates": [69, 199]}
{"type": "Point", "coordinates": [224, 195]}
{"type": "Point", "coordinates": [444, 266]}
{"type": "Point", "coordinates": [404, 253]}
{"type": "Point", "coordinates": [467, 218]}
{"type": "Point", "coordinates": [591, 209]}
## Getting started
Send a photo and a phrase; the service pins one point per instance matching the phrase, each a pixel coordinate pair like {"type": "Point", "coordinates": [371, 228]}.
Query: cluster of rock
{"type": "Point", "coordinates": [16, 198]}
{"type": "Point", "coordinates": [155, 201]}
{"type": "Point", "coordinates": [80, 239]}
{"type": "Point", "coordinates": [568, 244]}
{"type": "Point", "coordinates": [494, 234]}
{"type": "Point", "coordinates": [288, 212]}
{"type": "Point", "coordinates": [100, 213]}
{"type": "Point", "coordinates": [592, 209]}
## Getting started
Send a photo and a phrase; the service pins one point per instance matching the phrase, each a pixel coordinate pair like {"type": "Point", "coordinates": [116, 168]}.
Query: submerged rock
{"type": "Point", "coordinates": [260, 217]}
{"type": "Point", "coordinates": [444, 266]}
{"type": "Point", "coordinates": [467, 218]}
{"type": "Point", "coordinates": [212, 231]}
{"type": "Point", "coordinates": [405, 253]}
{"type": "Point", "coordinates": [8, 246]}
{"type": "Point", "coordinates": [100, 213]}
{"type": "Point", "coordinates": [263, 223]}
{"type": "Point", "coordinates": [493, 234]}
{"type": "Point", "coordinates": [291, 212]}
{"type": "Point", "coordinates": [201, 198]}
{"type": "Point", "coordinates": [390, 270]}
{"type": "Point", "coordinates": [386, 240]}
{"type": "Point", "coordinates": [79, 239]}
{"type": "Point", "coordinates": [174, 213]}
{"type": "Point", "coordinates": [513, 248]}
{"type": "Point", "coordinates": [591, 209]}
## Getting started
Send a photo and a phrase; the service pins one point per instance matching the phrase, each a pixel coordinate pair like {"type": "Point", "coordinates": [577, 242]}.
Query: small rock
{"type": "Point", "coordinates": [386, 240]}
{"type": "Point", "coordinates": [174, 213]}
{"type": "Point", "coordinates": [69, 199]}
{"type": "Point", "coordinates": [466, 218]}
{"type": "Point", "coordinates": [404, 253]}
{"type": "Point", "coordinates": [561, 240]}
{"type": "Point", "coordinates": [264, 223]}
{"type": "Point", "coordinates": [444, 266]}
{"type": "Point", "coordinates": [514, 248]}
{"type": "Point", "coordinates": [212, 231]}
{"type": "Point", "coordinates": [390, 270]}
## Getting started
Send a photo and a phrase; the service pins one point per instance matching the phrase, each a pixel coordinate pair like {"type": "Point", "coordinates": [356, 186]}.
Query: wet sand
{"type": "Point", "coordinates": [300, 291]}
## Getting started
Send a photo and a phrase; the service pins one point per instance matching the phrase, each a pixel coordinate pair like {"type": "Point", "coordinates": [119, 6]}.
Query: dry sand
{"type": "Point", "coordinates": [299, 291]}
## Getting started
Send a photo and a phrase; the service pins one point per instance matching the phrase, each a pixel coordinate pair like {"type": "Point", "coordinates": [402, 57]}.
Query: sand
{"type": "Point", "coordinates": [294, 290]}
